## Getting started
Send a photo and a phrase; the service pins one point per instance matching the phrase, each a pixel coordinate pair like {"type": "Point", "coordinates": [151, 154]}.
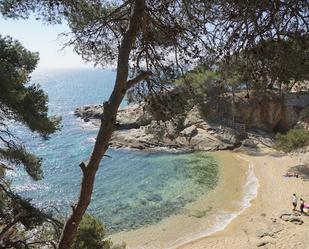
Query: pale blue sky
{"type": "Point", "coordinates": [41, 38]}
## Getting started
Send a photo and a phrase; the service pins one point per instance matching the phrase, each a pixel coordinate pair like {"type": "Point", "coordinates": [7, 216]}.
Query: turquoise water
{"type": "Point", "coordinates": [132, 188]}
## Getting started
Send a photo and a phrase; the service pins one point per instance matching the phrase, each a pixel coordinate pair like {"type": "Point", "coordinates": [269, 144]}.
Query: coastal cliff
{"type": "Point", "coordinates": [272, 112]}
{"type": "Point", "coordinates": [257, 118]}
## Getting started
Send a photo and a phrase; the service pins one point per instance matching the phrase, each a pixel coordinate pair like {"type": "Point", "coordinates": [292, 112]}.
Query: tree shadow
{"type": "Point", "coordinates": [301, 170]}
{"type": "Point", "coordinates": [257, 152]}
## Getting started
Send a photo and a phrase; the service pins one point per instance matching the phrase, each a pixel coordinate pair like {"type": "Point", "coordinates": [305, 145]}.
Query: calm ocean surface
{"type": "Point", "coordinates": [132, 188]}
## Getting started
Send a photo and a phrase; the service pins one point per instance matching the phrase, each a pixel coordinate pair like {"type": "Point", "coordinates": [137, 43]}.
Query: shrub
{"type": "Point", "coordinates": [91, 235]}
{"type": "Point", "coordinates": [293, 139]}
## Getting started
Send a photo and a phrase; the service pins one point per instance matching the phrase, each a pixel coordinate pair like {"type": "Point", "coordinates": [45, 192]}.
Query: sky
{"type": "Point", "coordinates": [41, 38]}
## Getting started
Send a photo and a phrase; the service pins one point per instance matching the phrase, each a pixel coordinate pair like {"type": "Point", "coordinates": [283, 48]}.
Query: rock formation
{"type": "Point", "coordinates": [261, 113]}
{"type": "Point", "coordinates": [271, 112]}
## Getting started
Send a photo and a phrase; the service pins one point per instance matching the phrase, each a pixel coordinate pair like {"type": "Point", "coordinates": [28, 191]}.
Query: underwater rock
{"type": "Point", "coordinates": [154, 198]}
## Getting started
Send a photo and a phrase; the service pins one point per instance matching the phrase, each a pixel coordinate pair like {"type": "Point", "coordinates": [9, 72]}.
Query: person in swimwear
{"type": "Point", "coordinates": [294, 201]}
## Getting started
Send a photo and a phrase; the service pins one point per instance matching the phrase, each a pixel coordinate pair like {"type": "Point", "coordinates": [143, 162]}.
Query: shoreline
{"type": "Point", "coordinates": [248, 229]}
{"type": "Point", "coordinates": [226, 202]}
{"type": "Point", "coordinates": [246, 203]}
{"type": "Point", "coordinates": [260, 226]}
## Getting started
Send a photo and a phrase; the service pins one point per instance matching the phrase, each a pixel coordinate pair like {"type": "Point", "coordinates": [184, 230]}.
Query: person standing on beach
{"type": "Point", "coordinates": [294, 201]}
{"type": "Point", "coordinates": [302, 205]}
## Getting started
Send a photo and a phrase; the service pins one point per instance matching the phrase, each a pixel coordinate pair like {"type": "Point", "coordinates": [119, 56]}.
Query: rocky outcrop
{"type": "Point", "coordinates": [88, 112]}
{"type": "Point", "coordinates": [128, 117]}
{"type": "Point", "coordinates": [271, 112]}
{"type": "Point", "coordinates": [263, 113]}
{"type": "Point", "coordinates": [137, 130]}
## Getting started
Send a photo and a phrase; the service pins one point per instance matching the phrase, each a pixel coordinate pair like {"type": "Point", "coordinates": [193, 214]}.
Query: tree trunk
{"type": "Point", "coordinates": [233, 104]}
{"type": "Point", "coordinates": [8, 227]}
{"type": "Point", "coordinates": [107, 126]}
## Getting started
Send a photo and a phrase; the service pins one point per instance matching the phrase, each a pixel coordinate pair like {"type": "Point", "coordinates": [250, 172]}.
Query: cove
{"type": "Point", "coordinates": [133, 189]}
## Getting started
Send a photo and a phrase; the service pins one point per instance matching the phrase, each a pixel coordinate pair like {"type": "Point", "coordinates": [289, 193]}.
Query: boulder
{"type": "Point", "coordinates": [133, 116]}
{"type": "Point", "coordinates": [89, 112]}
{"type": "Point", "coordinates": [290, 217]}
{"type": "Point", "coordinates": [249, 143]}
{"type": "Point", "coordinates": [189, 132]}
{"type": "Point", "coordinates": [193, 117]}
{"type": "Point", "coordinates": [129, 117]}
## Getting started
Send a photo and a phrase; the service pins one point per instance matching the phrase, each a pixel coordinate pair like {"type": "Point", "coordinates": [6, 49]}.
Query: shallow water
{"type": "Point", "coordinates": [132, 188]}
{"type": "Point", "coordinates": [209, 213]}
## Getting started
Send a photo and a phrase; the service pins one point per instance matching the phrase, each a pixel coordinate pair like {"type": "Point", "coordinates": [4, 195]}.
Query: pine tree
{"type": "Point", "coordinates": [154, 41]}
{"type": "Point", "coordinates": [26, 104]}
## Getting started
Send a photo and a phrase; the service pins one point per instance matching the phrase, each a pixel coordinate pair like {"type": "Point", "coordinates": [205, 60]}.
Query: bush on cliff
{"type": "Point", "coordinates": [293, 139]}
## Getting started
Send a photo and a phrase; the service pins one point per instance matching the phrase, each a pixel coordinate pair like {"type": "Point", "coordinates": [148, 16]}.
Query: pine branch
{"type": "Point", "coordinates": [142, 76]}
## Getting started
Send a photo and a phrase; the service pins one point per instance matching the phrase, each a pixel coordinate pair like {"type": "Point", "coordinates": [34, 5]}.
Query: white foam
{"type": "Point", "coordinates": [12, 173]}
{"type": "Point", "coordinates": [251, 187]}
{"type": "Point", "coordinates": [86, 125]}
{"type": "Point", "coordinates": [91, 139]}
{"type": "Point", "coordinates": [30, 187]}
{"type": "Point", "coordinates": [250, 190]}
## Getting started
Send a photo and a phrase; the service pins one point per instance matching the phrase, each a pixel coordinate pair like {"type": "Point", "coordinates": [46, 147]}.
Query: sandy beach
{"type": "Point", "coordinates": [259, 226]}
{"type": "Point", "coordinates": [209, 213]}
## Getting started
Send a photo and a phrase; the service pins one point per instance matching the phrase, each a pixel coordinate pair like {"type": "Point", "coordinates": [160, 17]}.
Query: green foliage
{"type": "Point", "coordinates": [21, 102]}
{"type": "Point", "coordinates": [267, 64]}
{"type": "Point", "coordinates": [294, 139]}
{"type": "Point", "coordinates": [19, 156]}
{"type": "Point", "coordinates": [270, 63]}
{"type": "Point", "coordinates": [202, 80]}
{"type": "Point", "coordinates": [27, 104]}
{"type": "Point", "coordinates": [286, 61]}
{"type": "Point", "coordinates": [91, 235]}
{"type": "Point", "coordinates": [171, 35]}
{"type": "Point", "coordinates": [203, 87]}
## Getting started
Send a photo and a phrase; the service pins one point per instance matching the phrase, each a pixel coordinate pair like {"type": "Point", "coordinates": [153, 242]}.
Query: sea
{"type": "Point", "coordinates": [133, 188]}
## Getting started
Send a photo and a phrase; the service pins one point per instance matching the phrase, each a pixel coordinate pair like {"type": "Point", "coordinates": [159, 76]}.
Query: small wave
{"type": "Point", "coordinates": [251, 186]}
{"type": "Point", "coordinates": [91, 139]}
{"type": "Point", "coordinates": [30, 187]}
{"type": "Point", "coordinates": [12, 173]}
{"type": "Point", "coordinates": [251, 190]}
{"type": "Point", "coordinates": [86, 125]}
